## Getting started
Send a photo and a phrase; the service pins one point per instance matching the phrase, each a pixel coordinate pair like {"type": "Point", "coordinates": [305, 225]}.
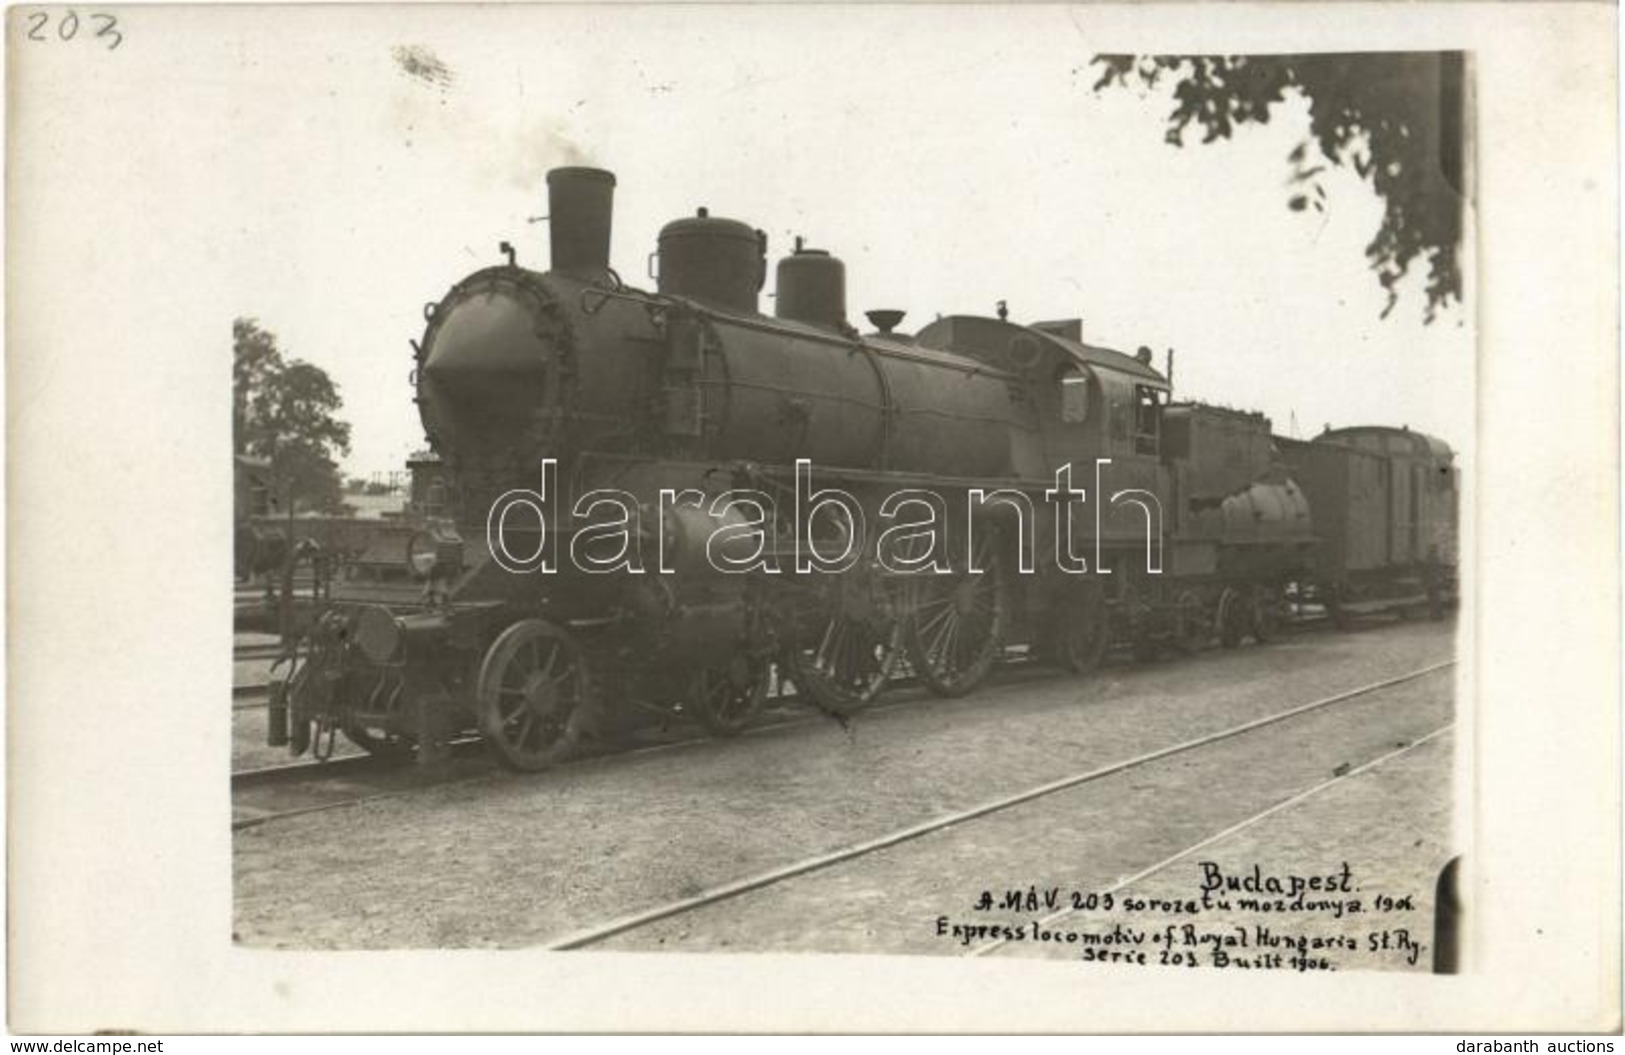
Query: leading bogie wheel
{"type": "Point", "coordinates": [532, 695]}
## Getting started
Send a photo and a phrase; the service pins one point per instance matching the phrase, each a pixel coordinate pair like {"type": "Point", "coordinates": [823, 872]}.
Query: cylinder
{"type": "Point", "coordinates": [812, 288]}
{"type": "Point", "coordinates": [580, 205]}
{"type": "Point", "coordinates": [721, 262]}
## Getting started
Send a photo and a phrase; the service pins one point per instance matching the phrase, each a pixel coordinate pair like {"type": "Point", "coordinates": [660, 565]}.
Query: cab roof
{"type": "Point", "coordinates": [996, 341]}
{"type": "Point", "coordinates": [1419, 444]}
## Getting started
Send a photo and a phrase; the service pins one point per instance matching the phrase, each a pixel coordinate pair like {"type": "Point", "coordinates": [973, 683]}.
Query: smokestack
{"type": "Point", "coordinates": [580, 204]}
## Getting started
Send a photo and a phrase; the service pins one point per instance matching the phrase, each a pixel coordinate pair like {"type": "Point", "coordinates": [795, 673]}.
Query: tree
{"type": "Point", "coordinates": [284, 413]}
{"type": "Point", "coordinates": [1396, 119]}
{"type": "Point", "coordinates": [255, 359]}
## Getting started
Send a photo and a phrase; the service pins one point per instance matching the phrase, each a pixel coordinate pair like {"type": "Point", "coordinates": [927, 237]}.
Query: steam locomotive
{"type": "Point", "coordinates": [670, 501]}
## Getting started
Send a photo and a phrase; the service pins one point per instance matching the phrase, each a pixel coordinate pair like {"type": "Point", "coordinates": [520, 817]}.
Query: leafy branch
{"type": "Point", "coordinates": [1395, 119]}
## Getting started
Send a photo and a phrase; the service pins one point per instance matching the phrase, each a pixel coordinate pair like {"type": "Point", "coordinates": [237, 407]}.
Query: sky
{"type": "Point", "coordinates": [951, 162]}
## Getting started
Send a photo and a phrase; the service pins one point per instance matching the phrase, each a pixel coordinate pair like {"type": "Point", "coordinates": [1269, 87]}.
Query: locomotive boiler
{"type": "Point", "coordinates": [668, 501]}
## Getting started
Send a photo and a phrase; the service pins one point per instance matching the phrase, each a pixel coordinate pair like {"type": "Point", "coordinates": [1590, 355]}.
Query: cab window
{"type": "Point", "coordinates": [434, 500]}
{"type": "Point", "coordinates": [1147, 418]}
{"type": "Point", "coordinates": [1074, 395]}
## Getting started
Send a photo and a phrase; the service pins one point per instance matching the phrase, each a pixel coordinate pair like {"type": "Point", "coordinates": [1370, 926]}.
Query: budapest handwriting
{"type": "Point", "coordinates": [1326, 918]}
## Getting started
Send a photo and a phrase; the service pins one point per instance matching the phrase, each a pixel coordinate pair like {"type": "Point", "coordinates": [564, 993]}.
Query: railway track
{"type": "Point", "coordinates": [295, 772]}
{"type": "Point", "coordinates": [392, 778]}
{"type": "Point", "coordinates": [1056, 917]}
{"type": "Point", "coordinates": [621, 925]}
{"type": "Point", "coordinates": [250, 697]}
{"type": "Point", "coordinates": [359, 778]}
{"type": "Point", "coordinates": [256, 696]}
{"type": "Point", "coordinates": [782, 711]}
{"type": "Point", "coordinates": [388, 778]}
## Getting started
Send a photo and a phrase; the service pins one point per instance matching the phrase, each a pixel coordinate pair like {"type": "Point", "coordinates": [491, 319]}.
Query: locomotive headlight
{"type": "Point", "coordinates": [435, 553]}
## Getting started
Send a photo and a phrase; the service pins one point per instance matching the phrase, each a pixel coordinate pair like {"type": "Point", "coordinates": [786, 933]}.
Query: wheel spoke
{"type": "Point", "coordinates": [856, 638]}
{"type": "Point", "coordinates": [947, 610]}
{"type": "Point", "coordinates": [972, 636]}
{"type": "Point", "coordinates": [951, 639]}
{"type": "Point", "coordinates": [558, 684]}
{"type": "Point", "coordinates": [852, 665]}
{"type": "Point", "coordinates": [934, 648]}
{"type": "Point", "coordinates": [828, 654]}
{"type": "Point", "coordinates": [823, 646]}
{"type": "Point", "coordinates": [845, 647]}
{"type": "Point", "coordinates": [524, 659]}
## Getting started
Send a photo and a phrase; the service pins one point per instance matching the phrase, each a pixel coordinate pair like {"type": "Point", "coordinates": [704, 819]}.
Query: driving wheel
{"type": "Point", "coordinates": [955, 622]}
{"type": "Point", "coordinates": [846, 641]}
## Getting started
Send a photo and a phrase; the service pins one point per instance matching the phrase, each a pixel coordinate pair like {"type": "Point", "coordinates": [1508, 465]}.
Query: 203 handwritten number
{"type": "Point", "coordinates": [68, 26]}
